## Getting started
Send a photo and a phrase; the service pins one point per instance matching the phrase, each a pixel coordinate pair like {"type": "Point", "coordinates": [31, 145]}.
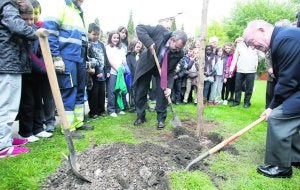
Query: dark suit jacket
{"type": "Point", "coordinates": [158, 35]}
{"type": "Point", "coordinates": [285, 48]}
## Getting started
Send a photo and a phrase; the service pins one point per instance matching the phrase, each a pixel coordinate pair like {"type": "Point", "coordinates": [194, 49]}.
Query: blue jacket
{"type": "Point", "coordinates": [67, 31]}
{"type": "Point", "coordinates": [285, 48]}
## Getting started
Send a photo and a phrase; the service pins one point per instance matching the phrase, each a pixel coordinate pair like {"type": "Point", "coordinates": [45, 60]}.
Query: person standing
{"type": "Point", "coordinates": [168, 48]}
{"type": "Point", "coordinates": [13, 63]}
{"type": "Point", "coordinates": [245, 60]}
{"type": "Point", "coordinates": [68, 44]}
{"type": "Point", "coordinates": [283, 113]}
{"type": "Point", "coordinates": [97, 54]}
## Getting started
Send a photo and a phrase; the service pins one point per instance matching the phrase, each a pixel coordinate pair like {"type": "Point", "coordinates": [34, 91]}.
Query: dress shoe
{"type": "Point", "coordinates": [76, 135]}
{"type": "Point", "coordinates": [234, 104]}
{"type": "Point", "coordinates": [296, 164]}
{"type": "Point", "coordinates": [86, 127]}
{"type": "Point", "coordinates": [247, 105]}
{"type": "Point", "coordinates": [139, 121]}
{"type": "Point", "coordinates": [275, 171]}
{"type": "Point", "coordinates": [160, 125]}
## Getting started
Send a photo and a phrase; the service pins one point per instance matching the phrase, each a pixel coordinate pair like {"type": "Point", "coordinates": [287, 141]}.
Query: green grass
{"type": "Point", "coordinates": [28, 171]}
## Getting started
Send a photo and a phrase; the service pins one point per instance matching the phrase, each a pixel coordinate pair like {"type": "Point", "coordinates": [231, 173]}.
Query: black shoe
{"type": "Point", "coordinates": [86, 127]}
{"type": "Point", "coordinates": [93, 116]}
{"type": "Point", "coordinates": [76, 135]}
{"type": "Point", "coordinates": [131, 110]}
{"type": "Point", "coordinates": [296, 164]}
{"type": "Point", "coordinates": [139, 121]}
{"type": "Point", "coordinates": [103, 114]}
{"type": "Point", "coordinates": [275, 171]}
{"type": "Point", "coordinates": [247, 105]}
{"type": "Point", "coordinates": [160, 125]}
{"type": "Point", "coordinates": [234, 104]}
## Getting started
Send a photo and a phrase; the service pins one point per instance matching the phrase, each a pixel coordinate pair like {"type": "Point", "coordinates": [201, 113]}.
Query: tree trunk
{"type": "Point", "coordinates": [200, 106]}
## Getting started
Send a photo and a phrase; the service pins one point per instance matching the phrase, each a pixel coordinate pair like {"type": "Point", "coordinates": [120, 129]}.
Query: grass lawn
{"type": "Point", "coordinates": [227, 171]}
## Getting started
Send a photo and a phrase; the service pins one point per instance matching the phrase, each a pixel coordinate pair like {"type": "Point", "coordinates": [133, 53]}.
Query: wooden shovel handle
{"type": "Point", "coordinates": [43, 39]}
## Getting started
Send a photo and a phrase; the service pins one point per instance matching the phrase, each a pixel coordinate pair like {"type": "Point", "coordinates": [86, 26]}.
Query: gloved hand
{"type": "Point", "coordinates": [167, 92]}
{"type": "Point", "coordinates": [59, 65]}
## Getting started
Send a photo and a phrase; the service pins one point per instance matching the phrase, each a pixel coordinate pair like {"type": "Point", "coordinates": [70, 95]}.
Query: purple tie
{"type": "Point", "coordinates": [164, 72]}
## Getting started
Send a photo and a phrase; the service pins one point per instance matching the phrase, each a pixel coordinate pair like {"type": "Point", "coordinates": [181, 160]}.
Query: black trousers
{"type": "Point", "coordinates": [30, 112]}
{"type": "Point", "coordinates": [96, 98]}
{"type": "Point", "coordinates": [248, 78]}
{"type": "Point", "coordinates": [142, 87]}
{"type": "Point", "coordinates": [269, 92]}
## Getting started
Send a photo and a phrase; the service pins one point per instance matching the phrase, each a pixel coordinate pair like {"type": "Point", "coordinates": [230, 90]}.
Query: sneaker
{"type": "Point", "coordinates": [216, 103]}
{"type": "Point", "coordinates": [17, 141]}
{"type": "Point", "coordinates": [122, 113]}
{"type": "Point", "coordinates": [50, 128]}
{"type": "Point", "coordinates": [13, 151]}
{"type": "Point", "coordinates": [32, 138]}
{"type": "Point", "coordinates": [210, 103]}
{"type": "Point", "coordinates": [93, 116]}
{"type": "Point", "coordinates": [113, 114]}
{"type": "Point", "coordinates": [44, 134]}
{"type": "Point", "coordinates": [225, 102]}
{"type": "Point", "coordinates": [76, 135]}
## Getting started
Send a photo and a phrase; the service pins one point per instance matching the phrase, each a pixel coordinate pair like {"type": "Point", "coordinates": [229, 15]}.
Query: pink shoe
{"type": "Point", "coordinates": [17, 141]}
{"type": "Point", "coordinates": [211, 104]}
{"type": "Point", "coordinates": [216, 103]}
{"type": "Point", "coordinates": [13, 151]}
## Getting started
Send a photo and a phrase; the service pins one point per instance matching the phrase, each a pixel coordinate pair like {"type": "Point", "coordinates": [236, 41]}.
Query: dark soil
{"type": "Point", "coordinates": [137, 166]}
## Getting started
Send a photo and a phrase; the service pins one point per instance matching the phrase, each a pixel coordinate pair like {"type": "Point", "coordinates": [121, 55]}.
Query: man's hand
{"type": "Point", "coordinates": [266, 113]}
{"type": "Point", "coordinates": [152, 48]}
{"type": "Point", "coordinates": [167, 92]}
{"type": "Point", "coordinates": [59, 65]}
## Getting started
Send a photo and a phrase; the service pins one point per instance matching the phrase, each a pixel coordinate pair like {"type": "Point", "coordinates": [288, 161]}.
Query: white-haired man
{"type": "Point", "coordinates": [283, 113]}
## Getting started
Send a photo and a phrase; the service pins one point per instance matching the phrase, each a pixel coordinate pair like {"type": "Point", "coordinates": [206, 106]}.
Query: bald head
{"type": "Point", "coordinates": [258, 34]}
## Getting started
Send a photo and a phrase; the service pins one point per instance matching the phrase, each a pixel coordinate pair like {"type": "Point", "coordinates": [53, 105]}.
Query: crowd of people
{"type": "Point", "coordinates": [160, 66]}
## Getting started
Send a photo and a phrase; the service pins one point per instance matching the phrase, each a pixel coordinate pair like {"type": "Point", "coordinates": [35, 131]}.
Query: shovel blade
{"type": "Point", "coordinates": [176, 122]}
{"type": "Point", "coordinates": [72, 156]}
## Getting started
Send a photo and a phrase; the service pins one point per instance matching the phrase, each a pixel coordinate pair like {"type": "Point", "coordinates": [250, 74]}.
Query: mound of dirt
{"type": "Point", "coordinates": [130, 166]}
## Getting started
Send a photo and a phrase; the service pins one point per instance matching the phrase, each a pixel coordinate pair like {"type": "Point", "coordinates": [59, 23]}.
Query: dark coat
{"type": "Point", "coordinates": [285, 48]}
{"type": "Point", "coordinates": [158, 35]}
{"type": "Point", "coordinates": [131, 62]}
{"type": "Point", "coordinates": [14, 33]}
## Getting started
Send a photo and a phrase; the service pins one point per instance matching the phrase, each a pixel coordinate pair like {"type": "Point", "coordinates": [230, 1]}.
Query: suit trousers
{"type": "Point", "coordinates": [142, 87]}
{"type": "Point", "coordinates": [283, 139]}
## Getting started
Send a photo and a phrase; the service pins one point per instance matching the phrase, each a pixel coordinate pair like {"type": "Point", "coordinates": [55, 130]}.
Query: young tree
{"type": "Point", "coordinates": [130, 27]}
{"type": "Point", "coordinates": [203, 35]}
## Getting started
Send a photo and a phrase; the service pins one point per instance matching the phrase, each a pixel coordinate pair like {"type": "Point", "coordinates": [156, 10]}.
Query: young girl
{"type": "Point", "coordinates": [215, 94]}
{"type": "Point", "coordinates": [227, 84]}
{"type": "Point", "coordinates": [116, 57]}
{"type": "Point", "coordinates": [132, 57]}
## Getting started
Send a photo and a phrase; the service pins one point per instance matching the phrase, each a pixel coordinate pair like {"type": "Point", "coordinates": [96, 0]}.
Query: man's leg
{"type": "Point", "coordinates": [281, 129]}
{"type": "Point", "coordinates": [161, 102]}
{"type": "Point", "coordinates": [142, 87]}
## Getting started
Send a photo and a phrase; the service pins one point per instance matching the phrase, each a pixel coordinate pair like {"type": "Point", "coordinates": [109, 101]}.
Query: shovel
{"type": "Point", "coordinates": [225, 142]}
{"type": "Point", "coordinates": [43, 38]}
{"type": "Point", "coordinates": [175, 120]}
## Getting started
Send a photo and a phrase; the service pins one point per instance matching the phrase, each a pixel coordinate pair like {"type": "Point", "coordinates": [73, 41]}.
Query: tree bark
{"type": "Point", "coordinates": [200, 105]}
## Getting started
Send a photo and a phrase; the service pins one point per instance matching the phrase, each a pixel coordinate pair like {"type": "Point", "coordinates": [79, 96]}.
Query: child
{"type": "Point", "coordinates": [209, 71]}
{"type": "Point", "coordinates": [96, 92]}
{"type": "Point", "coordinates": [192, 76]}
{"type": "Point", "coordinates": [132, 57]}
{"type": "Point", "coordinates": [116, 57]}
{"type": "Point", "coordinates": [13, 62]}
{"type": "Point", "coordinates": [30, 113]}
{"type": "Point", "coordinates": [215, 94]}
{"type": "Point", "coordinates": [227, 83]}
